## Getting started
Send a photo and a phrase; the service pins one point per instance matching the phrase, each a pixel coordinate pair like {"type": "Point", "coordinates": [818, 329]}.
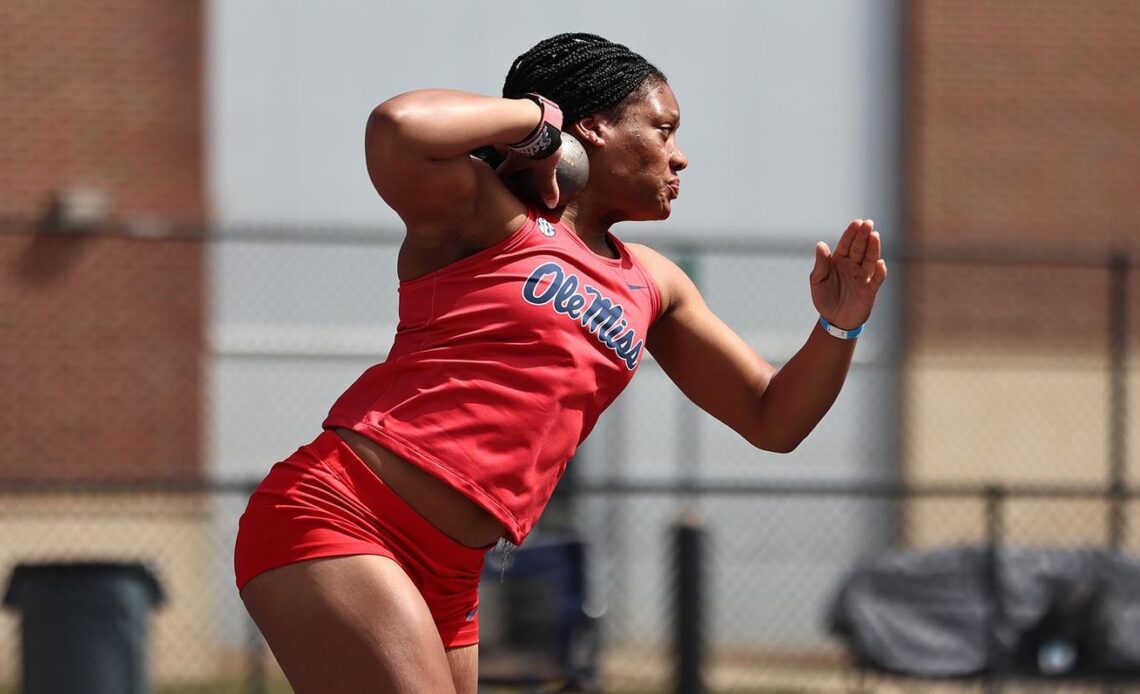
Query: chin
{"type": "Point", "coordinates": [663, 207]}
{"type": "Point", "coordinates": [654, 210]}
{"type": "Point", "coordinates": [652, 216]}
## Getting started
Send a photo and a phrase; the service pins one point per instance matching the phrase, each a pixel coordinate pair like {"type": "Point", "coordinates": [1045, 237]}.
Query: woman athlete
{"type": "Point", "coordinates": [359, 556]}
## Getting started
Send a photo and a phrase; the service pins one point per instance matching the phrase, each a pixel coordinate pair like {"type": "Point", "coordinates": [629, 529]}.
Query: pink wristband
{"type": "Point", "coordinates": [547, 135]}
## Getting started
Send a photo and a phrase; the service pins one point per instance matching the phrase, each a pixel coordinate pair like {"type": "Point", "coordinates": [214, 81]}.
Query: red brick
{"type": "Point", "coordinates": [1023, 134]}
{"type": "Point", "coordinates": [101, 365]}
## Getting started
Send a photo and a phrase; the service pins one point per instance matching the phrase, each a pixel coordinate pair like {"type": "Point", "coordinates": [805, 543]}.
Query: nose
{"type": "Point", "coordinates": [678, 160]}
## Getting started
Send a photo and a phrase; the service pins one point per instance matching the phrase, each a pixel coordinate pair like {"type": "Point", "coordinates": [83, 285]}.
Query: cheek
{"type": "Point", "coordinates": [648, 163]}
{"type": "Point", "coordinates": [647, 154]}
{"type": "Point", "coordinates": [654, 160]}
{"type": "Point", "coordinates": [635, 153]}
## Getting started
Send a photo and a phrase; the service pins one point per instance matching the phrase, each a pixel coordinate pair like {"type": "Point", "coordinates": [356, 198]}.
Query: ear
{"type": "Point", "coordinates": [591, 130]}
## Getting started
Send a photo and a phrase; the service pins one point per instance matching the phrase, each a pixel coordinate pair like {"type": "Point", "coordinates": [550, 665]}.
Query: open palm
{"type": "Point", "coordinates": [844, 284]}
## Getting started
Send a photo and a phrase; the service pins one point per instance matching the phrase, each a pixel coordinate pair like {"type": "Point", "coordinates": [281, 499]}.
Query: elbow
{"type": "Point", "coordinates": [386, 120]}
{"type": "Point", "coordinates": [392, 127]}
{"type": "Point", "coordinates": [781, 446]}
{"type": "Point", "coordinates": [411, 110]}
{"type": "Point", "coordinates": [775, 443]}
{"type": "Point", "coordinates": [406, 123]}
{"type": "Point", "coordinates": [399, 115]}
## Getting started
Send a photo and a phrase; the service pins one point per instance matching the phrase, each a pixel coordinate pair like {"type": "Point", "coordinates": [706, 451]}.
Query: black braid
{"type": "Point", "coordinates": [582, 73]}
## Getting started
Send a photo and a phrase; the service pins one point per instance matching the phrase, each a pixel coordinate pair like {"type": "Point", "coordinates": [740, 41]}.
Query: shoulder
{"type": "Point", "coordinates": [495, 215]}
{"type": "Point", "coordinates": [673, 284]}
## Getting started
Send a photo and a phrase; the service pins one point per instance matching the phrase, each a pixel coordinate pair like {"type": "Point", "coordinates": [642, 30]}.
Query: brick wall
{"type": "Point", "coordinates": [1024, 123]}
{"type": "Point", "coordinates": [1023, 139]}
{"type": "Point", "coordinates": [1023, 134]}
{"type": "Point", "coordinates": [102, 94]}
{"type": "Point", "coordinates": [101, 333]}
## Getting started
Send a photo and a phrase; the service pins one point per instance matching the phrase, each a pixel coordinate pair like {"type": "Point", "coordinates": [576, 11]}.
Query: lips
{"type": "Point", "coordinates": [675, 187]}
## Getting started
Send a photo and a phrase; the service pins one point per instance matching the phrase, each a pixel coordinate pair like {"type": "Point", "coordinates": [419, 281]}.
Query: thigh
{"type": "Point", "coordinates": [349, 624]}
{"type": "Point", "coordinates": [464, 663]}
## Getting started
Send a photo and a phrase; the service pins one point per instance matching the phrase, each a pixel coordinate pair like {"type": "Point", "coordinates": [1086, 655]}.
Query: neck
{"type": "Point", "coordinates": [591, 222]}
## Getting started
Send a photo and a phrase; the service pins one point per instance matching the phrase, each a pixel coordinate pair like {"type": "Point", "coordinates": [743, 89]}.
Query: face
{"type": "Point", "coordinates": [635, 170]}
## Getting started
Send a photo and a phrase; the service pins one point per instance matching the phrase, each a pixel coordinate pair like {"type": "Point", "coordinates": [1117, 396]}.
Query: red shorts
{"type": "Point", "coordinates": [323, 501]}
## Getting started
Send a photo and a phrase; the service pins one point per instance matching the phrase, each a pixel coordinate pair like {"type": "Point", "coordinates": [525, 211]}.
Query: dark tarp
{"type": "Point", "coordinates": [966, 611]}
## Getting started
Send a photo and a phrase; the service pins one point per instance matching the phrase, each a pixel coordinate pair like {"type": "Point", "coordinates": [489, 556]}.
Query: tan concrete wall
{"type": "Point", "coordinates": [1012, 419]}
{"type": "Point", "coordinates": [172, 532]}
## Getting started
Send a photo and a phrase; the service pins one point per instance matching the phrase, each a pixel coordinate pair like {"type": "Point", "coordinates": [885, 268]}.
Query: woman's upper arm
{"type": "Point", "coordinates": [712, 365]}
{"type": "Point", "coordinates": [425, 192]}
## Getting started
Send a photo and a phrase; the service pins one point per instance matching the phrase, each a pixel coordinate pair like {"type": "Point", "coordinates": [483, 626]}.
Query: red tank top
{"type": "Point", "coordinates": [503, 362]}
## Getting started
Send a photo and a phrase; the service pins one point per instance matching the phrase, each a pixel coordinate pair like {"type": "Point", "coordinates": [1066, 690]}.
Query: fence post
{"type": "Point", "coordinates": [1117, 405]}
{"type": "Point", "coordinates": [255, 676]}
{"type": "Point", "coordinates": [995, 500]}
{"type": "Point", "coordinates": [689, 644]}
{"type": "Point", "coordinates": [689, 530]}
{"type": "Point", "coordinates": [1117, 395]}
{"type": "Point", "coordinates": [688, 432]}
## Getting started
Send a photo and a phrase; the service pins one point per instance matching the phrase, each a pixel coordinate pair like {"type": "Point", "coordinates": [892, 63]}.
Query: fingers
{"type": "Point", "coordinates": [859, 243]}
{"type": "Point", "coordinates": [843, 248]}
{"type": "Point", "coordinates": [853, 244]}
{"type": "Point", "coordinates": [863, 246]}
{"type": "Point", "coordinates": [536, 179]}
{"type": "Point", "coordinates": [880, 274]}
{"type": "Point", "coordinates": [550, 193]}
{"type": "Point", "coordinates": [510, 164]}
{"type": "Point", "coordinates": [546, 171]}
{"type": "Point", "coordinates": [872, 253]}
{"type": "Point", "coordinates": [822, 266]}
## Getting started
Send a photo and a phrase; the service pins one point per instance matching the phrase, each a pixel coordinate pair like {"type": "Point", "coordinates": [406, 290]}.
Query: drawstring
{"type": "Point", "coordinates": [504, 551]}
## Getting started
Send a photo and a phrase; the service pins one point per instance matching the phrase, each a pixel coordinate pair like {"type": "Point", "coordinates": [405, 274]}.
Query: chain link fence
{"type": "Point", "coordinates": [979, 374]}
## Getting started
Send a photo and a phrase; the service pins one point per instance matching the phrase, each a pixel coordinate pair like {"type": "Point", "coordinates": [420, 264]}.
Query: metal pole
{"type": "Point", "coordinates": [690, 605]}
{"type": "Point", "coordinates": [689, 533]}
{"type": "Point", "coordinates": [1117, 405]}
{"type": "Point", "coordinates": [616, 530]}
{"type": "Point", "coordinates": [689, 422]}
{"type": "Point", "coordinates": [1117, 395]}
{"type": "Point", "coordinates": [255, 677]}
{"type": "Point", "coordinates": [995, 499]}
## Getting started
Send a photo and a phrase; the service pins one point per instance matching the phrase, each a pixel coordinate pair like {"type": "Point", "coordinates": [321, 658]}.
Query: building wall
{"type": "Point", "coordinates": [101, 312]}
{"type": "Point", "coordinates": [99, 373]}
{"type": "Point", "coordinates": [1023, 138]}
{"type": "Point", "coordinates": [1024, 123]}
{"type": "Point", "coordinates": [106, 95]}
{"type": "Point", "coordinates": [162, 531]}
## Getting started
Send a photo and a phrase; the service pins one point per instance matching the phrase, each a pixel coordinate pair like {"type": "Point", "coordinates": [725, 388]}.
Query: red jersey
{"type": "Point", "coordinates": [503, 362]}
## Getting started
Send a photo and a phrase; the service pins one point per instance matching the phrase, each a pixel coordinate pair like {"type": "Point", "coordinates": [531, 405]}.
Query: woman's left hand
{"type": "Point", "coordinates": [844, 283]}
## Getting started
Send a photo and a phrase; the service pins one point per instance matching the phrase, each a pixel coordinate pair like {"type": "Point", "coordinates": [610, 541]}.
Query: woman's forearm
{"type": "Point", "coordinates": [441, 124]}
{"type": "Point", "coordinates": [801, 392]}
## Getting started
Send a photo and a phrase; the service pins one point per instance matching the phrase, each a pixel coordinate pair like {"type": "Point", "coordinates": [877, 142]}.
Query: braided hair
{"type": "Point", "coordinates": [582, 73]}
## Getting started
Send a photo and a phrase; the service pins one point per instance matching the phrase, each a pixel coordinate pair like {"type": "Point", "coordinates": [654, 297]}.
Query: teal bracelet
{"type": "Point", "coordinates": [840, 332]}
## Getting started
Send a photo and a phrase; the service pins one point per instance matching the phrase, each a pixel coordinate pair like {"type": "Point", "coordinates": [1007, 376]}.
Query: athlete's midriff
{"type": "Point", "coordinates": [452, 513]}
{"type": "Point", "coordinates": [501, 365]}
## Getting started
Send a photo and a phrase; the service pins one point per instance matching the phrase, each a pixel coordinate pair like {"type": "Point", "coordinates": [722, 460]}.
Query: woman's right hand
{"type": "Point", "coordinates": [543, 170]}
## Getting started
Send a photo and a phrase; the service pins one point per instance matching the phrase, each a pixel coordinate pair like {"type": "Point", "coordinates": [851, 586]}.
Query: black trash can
{"type": "Point", "coordinates": [84, 626]}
